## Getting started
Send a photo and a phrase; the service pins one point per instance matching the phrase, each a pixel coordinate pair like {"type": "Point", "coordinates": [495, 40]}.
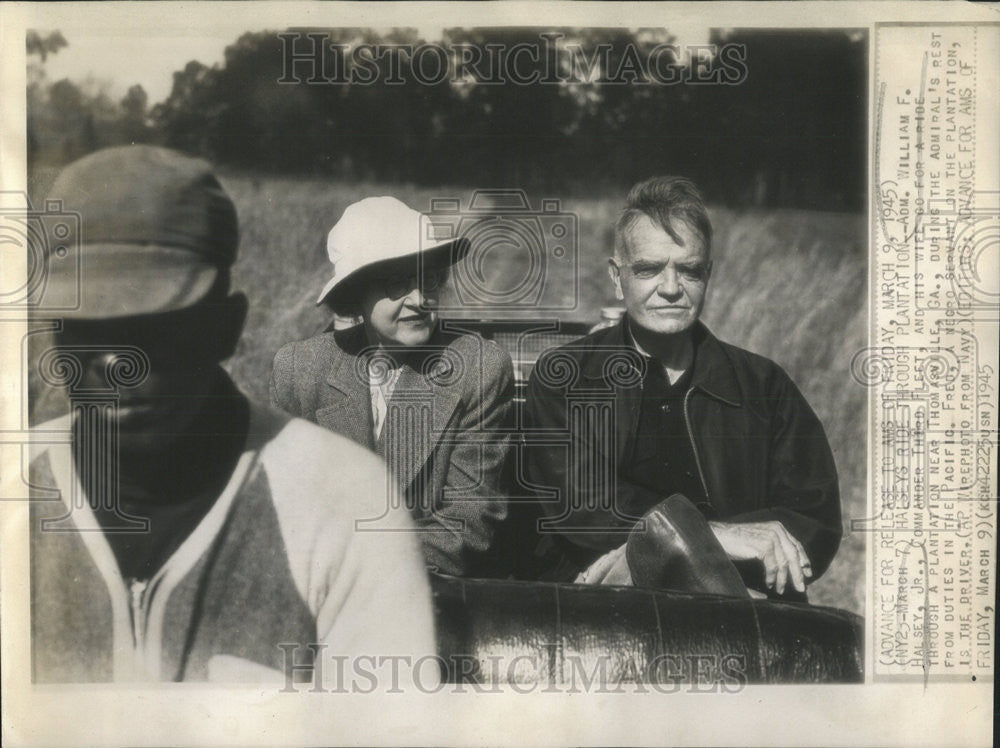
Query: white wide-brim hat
{"type": "Point", "coordinates": [382, 229]}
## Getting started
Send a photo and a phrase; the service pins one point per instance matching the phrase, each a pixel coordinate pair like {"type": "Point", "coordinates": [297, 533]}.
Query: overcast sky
{"type": "Point", "coordinates": [123, 61]}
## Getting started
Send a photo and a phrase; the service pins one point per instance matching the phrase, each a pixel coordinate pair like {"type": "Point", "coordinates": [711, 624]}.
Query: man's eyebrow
{"type": "Point", "coordinates": [693, 265]}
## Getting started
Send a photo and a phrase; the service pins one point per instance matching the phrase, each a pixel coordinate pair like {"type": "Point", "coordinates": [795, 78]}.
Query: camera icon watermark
{"type": "Point", "coordinates": [49, 242]}
{"type": "Point", "coordinates": [519, 258]}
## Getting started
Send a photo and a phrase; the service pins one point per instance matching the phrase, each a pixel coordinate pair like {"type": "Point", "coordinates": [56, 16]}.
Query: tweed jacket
{"type": "Point", "coordinates": [761, 452]}
{"type": "Point", "coordinates": [446, 438]}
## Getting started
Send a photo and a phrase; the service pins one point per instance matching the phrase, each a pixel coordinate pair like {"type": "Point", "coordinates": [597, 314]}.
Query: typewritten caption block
{"type": "Point", "coordinates": [932, 365]}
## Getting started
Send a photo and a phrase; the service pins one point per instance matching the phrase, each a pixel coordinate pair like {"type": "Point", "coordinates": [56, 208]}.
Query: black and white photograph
{"type": "Point", "coordinates": [369, 364]}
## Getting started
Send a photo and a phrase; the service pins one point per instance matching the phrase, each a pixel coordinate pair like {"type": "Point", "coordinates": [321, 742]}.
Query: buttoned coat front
{"type": "Point", "coordinates": [446, 438]}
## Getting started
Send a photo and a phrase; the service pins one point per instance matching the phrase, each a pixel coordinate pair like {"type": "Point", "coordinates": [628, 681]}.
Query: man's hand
{"type": "Point", "coordinates": [783, 556]}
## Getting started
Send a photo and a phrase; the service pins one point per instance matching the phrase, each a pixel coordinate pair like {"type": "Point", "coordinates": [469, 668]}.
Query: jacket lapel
{"type": "Point", "coordinates": [347, 402]}
{"type": "Point", "coordinates": [713, 371]}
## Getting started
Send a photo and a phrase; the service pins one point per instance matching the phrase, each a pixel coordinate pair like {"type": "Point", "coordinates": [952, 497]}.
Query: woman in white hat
{"type": "Point", "coordinates": [436, 405]}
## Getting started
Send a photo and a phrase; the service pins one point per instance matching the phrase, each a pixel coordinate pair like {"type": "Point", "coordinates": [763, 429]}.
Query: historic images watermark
{"type": "Point", "coordinates": [314, 57]}
{"type": "Point", "coordinates": [310, 669]}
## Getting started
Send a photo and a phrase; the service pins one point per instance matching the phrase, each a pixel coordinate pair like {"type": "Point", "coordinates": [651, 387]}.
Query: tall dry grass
{"type": "Point", "coordinates": [786, 284]}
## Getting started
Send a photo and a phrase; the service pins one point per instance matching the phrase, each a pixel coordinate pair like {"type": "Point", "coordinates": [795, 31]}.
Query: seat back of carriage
{"type": "Point", "coordinates": [509, 632]}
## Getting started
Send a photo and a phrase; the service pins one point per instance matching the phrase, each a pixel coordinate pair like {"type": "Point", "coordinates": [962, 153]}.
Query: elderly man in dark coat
{"type": "Point", "coordinates": [436, 405]}
{"type": "Point", "coordinates": [665, 457]}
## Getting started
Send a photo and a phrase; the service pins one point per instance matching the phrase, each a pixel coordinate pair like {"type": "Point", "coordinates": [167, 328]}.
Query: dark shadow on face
{"type": "Point", "coordinates": [183, 349]}
{"type": "Point", "coordinates": [398, 301]}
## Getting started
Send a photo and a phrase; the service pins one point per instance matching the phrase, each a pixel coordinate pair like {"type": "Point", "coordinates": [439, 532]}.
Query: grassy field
{"type": "Point", "coordinates": [786, 284]}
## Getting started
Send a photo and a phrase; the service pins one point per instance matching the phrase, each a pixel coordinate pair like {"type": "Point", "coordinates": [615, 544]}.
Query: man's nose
{"type": "Point", "coordinates": [106, 369]}
{"type": "Point", "coordinates": [83, 369]}
{"type": "Point", "coordinates": [669, 286]}
{"type": "Point", "coordinates": [95, 367]}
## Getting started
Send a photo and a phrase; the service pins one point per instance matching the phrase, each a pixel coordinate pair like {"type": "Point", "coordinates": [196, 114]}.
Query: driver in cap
{"type": "Point", "coordinates": [195, 532]}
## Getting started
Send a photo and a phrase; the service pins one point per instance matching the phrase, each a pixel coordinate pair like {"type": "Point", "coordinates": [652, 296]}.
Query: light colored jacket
{"type": "Point", "coordinates": [276, 561]}
{"type": "Point", "coordinates": [447, 436]}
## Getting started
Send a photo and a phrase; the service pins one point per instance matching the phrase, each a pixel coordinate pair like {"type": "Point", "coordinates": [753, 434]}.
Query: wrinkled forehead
{"type": "Point", "coordinates": [647, 241]}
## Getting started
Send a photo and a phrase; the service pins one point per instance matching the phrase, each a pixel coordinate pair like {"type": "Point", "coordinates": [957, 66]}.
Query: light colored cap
{"type": "Point", "coordinates": [382, 229]}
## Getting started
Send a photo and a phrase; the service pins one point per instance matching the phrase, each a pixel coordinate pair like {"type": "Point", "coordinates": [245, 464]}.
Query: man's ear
{"type": "Point", "coordinates": [616, 278]}
{"type": "Point", "coordinates": [232, 316]}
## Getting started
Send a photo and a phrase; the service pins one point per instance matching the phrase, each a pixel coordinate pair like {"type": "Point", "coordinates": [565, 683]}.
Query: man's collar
{"type": "Point", "coordinates": [713, 370]}
{"type": "Point", "coordinates": [630, 339]}
{"type": "Point", "coordinates": [652, 360]}
{"type": "Point", "coordinates": [712, 373]}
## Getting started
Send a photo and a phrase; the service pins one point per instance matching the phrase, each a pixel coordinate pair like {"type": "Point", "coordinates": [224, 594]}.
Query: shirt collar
{"type": "Point", "coordinates": [651, 360]}
{"type": "Point", "coordinates": [711, 373]}
{"type": "Point", "coordinates": [631, 341]}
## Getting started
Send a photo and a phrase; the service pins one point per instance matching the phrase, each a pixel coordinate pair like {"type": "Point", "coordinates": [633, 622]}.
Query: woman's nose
{"type": "Point", "coordinates": [421, 298]}
{"type": "Point", "coordinates": [414, 297]}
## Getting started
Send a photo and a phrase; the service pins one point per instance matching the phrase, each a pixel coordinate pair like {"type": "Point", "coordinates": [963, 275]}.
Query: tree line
{"type": "Point", "coordinates": [768, 119]}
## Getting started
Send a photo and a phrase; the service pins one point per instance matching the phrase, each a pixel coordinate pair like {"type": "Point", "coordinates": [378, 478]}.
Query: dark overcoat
{"type": "Point", "coordinates": [761, 452]}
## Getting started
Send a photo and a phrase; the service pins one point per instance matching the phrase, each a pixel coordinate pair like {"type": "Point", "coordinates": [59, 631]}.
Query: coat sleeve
{"type": "Point", "coordinates": [281, 385]}
{"type": "Point", "coordinates": [376, 620]}
{"type": "Point", "coordinates": [803, 491]}
{"type": "Point", "coordinates": [594, 504]}
{"type": "Point", "coordinates": [477, 479]}
{"type": "Point", "coordinates": [368, 590]}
